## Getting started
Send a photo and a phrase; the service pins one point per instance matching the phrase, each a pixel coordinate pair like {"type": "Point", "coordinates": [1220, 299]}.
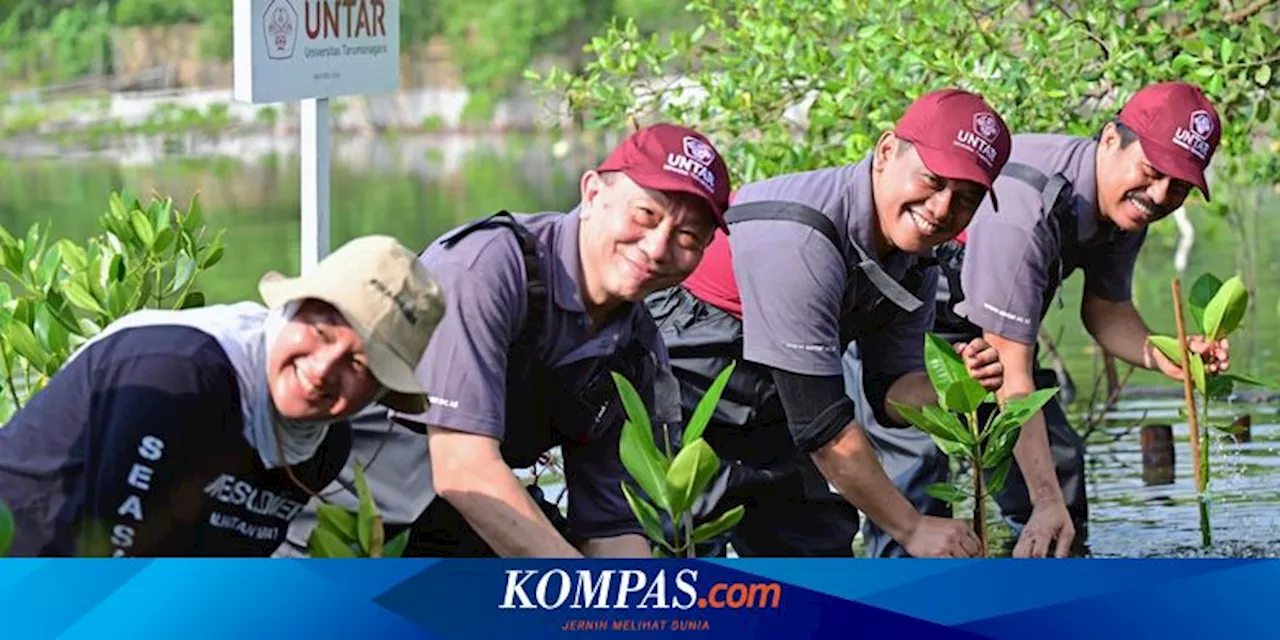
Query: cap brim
{"type": "Point", "coordinates": [667, 182]}
{"type": "Point", "coordinates": [946, 165]}
{"type": "Point", "coordinates": [404, 393]}
{"type": "Point", "coordinates": [1176, 164]}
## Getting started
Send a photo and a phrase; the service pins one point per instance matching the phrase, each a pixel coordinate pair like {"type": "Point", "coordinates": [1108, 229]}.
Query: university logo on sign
{"type": "Point", "coordinates": [280, 24]}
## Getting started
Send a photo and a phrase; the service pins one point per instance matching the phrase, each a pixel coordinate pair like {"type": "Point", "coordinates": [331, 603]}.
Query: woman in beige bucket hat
{"type": "Point", "coordinates": [203, 432]}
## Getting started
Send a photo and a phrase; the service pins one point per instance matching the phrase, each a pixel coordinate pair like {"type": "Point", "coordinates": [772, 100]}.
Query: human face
{"type": "Point", "coordinates": [635, 241]}
{"type": "Point", "coordinates": [918, 209]}
{"type": "Point", "coordinates": [317, 368]}
{"type": "Point", "coordinates": [1132, 193]}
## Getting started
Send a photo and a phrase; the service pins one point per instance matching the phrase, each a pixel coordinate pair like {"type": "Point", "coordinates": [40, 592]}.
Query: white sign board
{"type": "Point", "coordinates": [298, 49]}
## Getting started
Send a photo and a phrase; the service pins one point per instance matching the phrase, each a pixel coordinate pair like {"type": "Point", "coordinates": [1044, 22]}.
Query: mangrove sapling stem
{"type": "Point", "coordinates": [1193, 422]}
{"type": "Point", "coordinates": [979, 513]}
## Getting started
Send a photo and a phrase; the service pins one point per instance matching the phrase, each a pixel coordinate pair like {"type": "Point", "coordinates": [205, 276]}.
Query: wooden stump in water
{"type": "Point", "coordinates": [1157, 454]}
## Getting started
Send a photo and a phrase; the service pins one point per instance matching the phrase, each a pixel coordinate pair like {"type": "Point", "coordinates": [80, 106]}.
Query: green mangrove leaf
{"type": "Point", "coordinates": [1198, 373]}
{"type": "Point", "coordinates": [634, 406]}
{"type": "Point", "coordinates": [1167, 346]}
{"type": "Point", "coordinates": [338, 520]}
{"type": "Point", "coordinates": [946, 493]}
{"type": "Point", "coordinates": [998, 477]}
{"type": "Point", "coordinates": [1246, 378]}
{"type": "Point", "coordinates": [396, 546]}
{"type": "Point", "coordinates": [324, 543]}
{"type": "Point", "coordinates": [646, 514]}
{"type": "Point", "coordinates": [1225, 311]}
{"type": "Point", "coordinates": [368, 511]}
{"type": "Point", "coordinates": [946, 369]}
{"type": "Point", "coordinates": [919, 420]}
{"type": "Point", "coordinates": [950, 423]}
{"type": "Point", "coordinates": [645, 463]}
{"type": "Point", "coordinates": [707, 406]}
{"type": "Point", "coordinates": [725, 522]}
{"type": "Point", "coordinates": [1201, 293]}
{"type": "Point", "coordinates": [690, 473]}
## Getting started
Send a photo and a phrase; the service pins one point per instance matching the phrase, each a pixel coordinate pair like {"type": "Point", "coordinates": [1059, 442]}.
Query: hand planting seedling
{"type": "Point", "coordinates": [1217, 308]}
{"type": "Point", "coordinates": [672, 484]}
{"type": "Point", "coordinates": [986, 448]}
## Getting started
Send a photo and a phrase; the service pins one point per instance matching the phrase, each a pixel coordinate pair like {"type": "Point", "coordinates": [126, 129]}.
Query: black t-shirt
{"type": "Point", "coordinates": [136, 448]}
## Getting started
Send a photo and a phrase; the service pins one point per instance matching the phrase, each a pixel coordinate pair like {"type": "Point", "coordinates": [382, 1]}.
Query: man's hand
{"type": "Point", "coordinates": [983, 362]}
{"type": "Point", "coordinates": [941, 538]}
{"type": "Point", "coordinates": [1216, 356]}
{"type": "Point", "coordinates": [1049, 522]}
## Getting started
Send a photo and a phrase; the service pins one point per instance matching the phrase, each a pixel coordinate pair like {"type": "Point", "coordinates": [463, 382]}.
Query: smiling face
{"type": "Point", "coordinates": [634, 241]}
{"type": "Point", "coordinates": [317, 368]}
{"type": "Point", "coordinates": [918, 209]}
{"type": "Point", "coordinates": [1132, 192]}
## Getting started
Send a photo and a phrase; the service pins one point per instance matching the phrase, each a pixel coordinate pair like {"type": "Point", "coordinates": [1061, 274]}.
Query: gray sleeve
{"type": "Point", "coordinates": [1108, 273]}
{"type": "Point", "coordinates": [464, 367]}
{"type": "Point", "coordinates": [792, 281]}
{"type": "Point", "coordinates": [1004, 277]}
{"type": "Point", "coordinates": [899, 348]}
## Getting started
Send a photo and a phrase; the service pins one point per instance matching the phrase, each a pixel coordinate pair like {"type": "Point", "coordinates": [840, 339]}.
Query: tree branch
{"type": "Point", "coordinates": [1088, 29]}
{"type": "Point", "coordinates": [1248, 12]}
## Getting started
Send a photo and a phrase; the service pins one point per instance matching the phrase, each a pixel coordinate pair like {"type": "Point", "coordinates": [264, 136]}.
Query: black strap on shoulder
{"type": "Point", "coordinates": [1052, 203]}
{"type": "Point", "coordinates": [810, 217]}
{"type": "Point", "coordinates": [535, 283]}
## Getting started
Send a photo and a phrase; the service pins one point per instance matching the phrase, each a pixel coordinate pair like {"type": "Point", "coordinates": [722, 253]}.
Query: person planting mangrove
{"type": "Point", "coordinates": [202, 432]}
{"type": "Point", "coordinates": [542, 308]}
{"type": "Point", "coordinates": [1067, 204]}
{"type": "Point", "coordinates": [817, 260]}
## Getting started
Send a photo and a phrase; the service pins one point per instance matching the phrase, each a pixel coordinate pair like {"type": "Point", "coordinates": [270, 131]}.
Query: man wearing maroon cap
{"type": "Point", "coordinates": [1067, 203]}
{"type": "Point", "coordinates": [817, 260]}
{"type": "Point", "coordinates": [539, 310]}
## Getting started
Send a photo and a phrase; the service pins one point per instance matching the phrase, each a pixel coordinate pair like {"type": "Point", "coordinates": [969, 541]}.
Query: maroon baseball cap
{"type": "Point", "coordinates": [667, 157]}
{"type": "Point", "coordinates": [958, 136]}
{"type": "Point", "coordinates": [1178, 127]}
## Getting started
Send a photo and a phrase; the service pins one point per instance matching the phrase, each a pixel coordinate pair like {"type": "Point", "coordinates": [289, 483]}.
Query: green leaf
{"type": "Point", "coordinates": [646, 514]}
{"type": "Point", "coordinates": [24, 342]}
{"type": "Point", "coordinates": [6, 529]}
{"type": "Point", "coordinates": [48, 330]}
{"type": "Point", "coordinates": [338, 520]}
{"type": "Point", "coordinates": [949, 377]}
{"type": "Point", "coordinates": [142, 227]}
{"type": "Point", "coordinates": [998, 477]}
{"type": "Point", "coordinates": [1198, 373]}
{"type": "Point", "coordinates": [1218, 386]}
{"type": "Point", "coordinates": [366, 515]}
{"type": "Point", "coordinates": [645, 464]}
{"type": "Point", "coordinates": [1223, 313]}
{"type": "Point", "coordinates": [690, 473]}
{"type": "Point", "coordinates": [1228, 47]}
{"type": "Point", "coordinates": [1017, 411]}
{"type": "Point", "coordinates": [1246, 378]}
{"type": "Point", "coordinates": [1168, 346]}
{"type": "Point", "coordinates": [950, 423]}
{"type": "Point", "coordinates": [919, 420]}
{"type": "Point", "coordinates": [636, 412]}
{"type": "Point", "coordinates": [946, 493]}
{"type": "Point", "coordinates": [395, 547]}
{"type": "Point", "coordinates": [324, 543]}
{"type": "Point", "coordinates": [707, 406]}
{"type": "Point", "coordinates": [184, 269]}
{"type": "Point", "coordinates": [725, 522]}
{"type": "Point", "coordinates": [1201, 293]}
{"type": "Point", "coordinates": [1263, 75]}
{"type": "Point", "coordinates": [79, 295]}
{"type": "Point", "coordinates": [191, 300]}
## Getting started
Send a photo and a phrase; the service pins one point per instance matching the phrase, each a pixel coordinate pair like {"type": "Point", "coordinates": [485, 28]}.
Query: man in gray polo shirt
{"type": "Point", "coordinates": [540, 310]}
{"type": "Point", "coordinates": [816, 260]}
{"type": "Point", "coordinates": [1067, 204]}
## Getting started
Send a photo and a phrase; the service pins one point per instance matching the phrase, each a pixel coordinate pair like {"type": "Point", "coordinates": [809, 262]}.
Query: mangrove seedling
{"type": "Point", "coordinates": [986, 448]}
{"type": "Point", "coordinates": [342, 534]}
{"type": "Point", "coordinates": [1217, 309]}
{"type": "Point", "coordinates": [672, 482]}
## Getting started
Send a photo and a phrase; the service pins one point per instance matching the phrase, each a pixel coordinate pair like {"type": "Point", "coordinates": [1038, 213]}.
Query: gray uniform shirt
{"type": "Point", "coordinates": [464, 369]}
{"type": "Point", "coordinates": [1014, 261]}
{"type": "Point", "coordinates": [799, 296]}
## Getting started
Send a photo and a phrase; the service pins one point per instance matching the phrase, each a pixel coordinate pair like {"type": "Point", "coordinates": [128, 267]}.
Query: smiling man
{"type": "Point", "coordinates": [1067, 204]}
{"type": "Point", "coordinates": [202, 432]}
{"type": "Point", "coordinates": [542, 308]}
{"type": "Point", "coordinates": [817, 260]}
